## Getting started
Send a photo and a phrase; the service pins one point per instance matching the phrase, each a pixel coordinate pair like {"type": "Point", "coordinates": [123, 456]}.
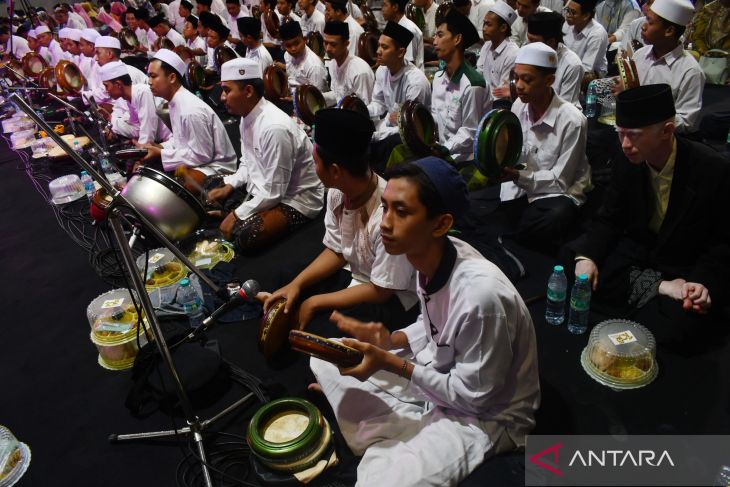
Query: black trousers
{"type": "Point", "coordinates": [380, 152]}
{"type": "Point", "coordinates": [538, 224]}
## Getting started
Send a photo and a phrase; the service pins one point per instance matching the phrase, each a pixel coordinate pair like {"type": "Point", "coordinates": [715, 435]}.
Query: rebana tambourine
{"type": "Point", "coordinates": [352, 102]}
{"type": "Point", "coordinates": [316, 43]}
{"type": "Point", "coordinates": [276, 83]}
{"type": "Point", "coordinates": [288, 435]}
{"type": "Point", "coordinates": [127, 39]}
{"type": "Point", "coordinates": [223, 53]}
{"type": "Point", "coordinates": [33, 64]}
{"type": "Point", "coordinates": [442, 11]}
{"type": "Point", "coordinates": [271, 22]}
{"type": "Point", "coordinates": [627, 71]}
{"type": "Point", "coordinates": [370, 21]}
{"type": "Point", "coordinates": [185, 53]}
{"type": "Point", "coordinates": [415, 15]}
{"type": "Point", "coordinates": [307, 101]}
{"type": "Point", "coordinates": [497, 143]}
{"type": "Point", "coordinates": [69, 77]}
{"type": "Point", "coordinates": [513, 85]}
{"type": "Point", "coordinates": [274, 329]}
{"type": "Point", "coordinates": [47, 79]}
{"type": "Point", "coordinates": [367, 46]}
{"type": "Point", "coordinates": [418, 131]}
{"type": "Point", "coordinates": [325, 349]}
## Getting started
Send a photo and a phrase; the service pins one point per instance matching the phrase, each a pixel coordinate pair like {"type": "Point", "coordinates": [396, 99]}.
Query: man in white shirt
{"type": "Point", "coordinates": [276, 170]}
{"type": "Point", "coordinates": [396, 81]}
{"type": "Point", "coordinates": [174, 17]}
{"type": "Point", "coordinates": [64, 19]}
{"type": "Point", "coordinates": [336, 10]}
{"type": "Point", "coordinates": [630, 35]}
{"type": "Point", "coordinates": [381, 286]}
{"type": "Point", "coordinates": [217, 36]}
{"type": "Point", "coordinates": [431, 402]}
{"type": "Point", "coordinates": [19, 45]}
{"type": "Point", "coordinates": [497, 57]}
{"type": "Point", "coordinates": [162, 29]}
{"type": "Point", "coordinates": [207, 6]}
{"type": "Point", "coordinates": [69, 40]}
{"type": "Point", "coordinates": [459, 96]}
{"type": "Point", "coordinates": [547, 27]}
{"type": "Point", "coordinates": [198, 45]}
{"type": "Point", "coordinates": [312, 19]}
{"type": "Point", "coordinates": [349, 74]}
{"type": "Point", "coordinates": [303, 66]}
{"type": "Point", "coordinates": [541, 201]}
{"type": "Point", "coordinates": [87, 62]}
{"type": "Point", "coordinates": [144, 33]}
{"type": "Point", "coordinates": [143, 124]}
{"type": "Point", "coordinates": [186, 9]}
{"type": "Point", "coordinates": [50, 48]}
{"type": "Point", "coordinates": [270, 39]}
{"type": "Point", "coordinates": [235, 11]}
{"type": "Point", "coordinates": [586, 37]}
{"type": "Point", "coordinates": [250, 30]}
{"type": "Point", "coordinates": [131, 21]}
{"type": "Point", "coordinates": [614, 15]}
{"type": "Point", "coordinates": [664, 60]}
{"type": "Point", "coordinates": [525, 8]}
{"type": "Point", "coordinates": [394, 11]}
{"type": "Point", "coordinates": [199, 139]}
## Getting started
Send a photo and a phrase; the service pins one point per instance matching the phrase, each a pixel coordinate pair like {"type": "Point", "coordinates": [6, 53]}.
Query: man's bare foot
{"type": "Point", "coordinates": [314, 387]}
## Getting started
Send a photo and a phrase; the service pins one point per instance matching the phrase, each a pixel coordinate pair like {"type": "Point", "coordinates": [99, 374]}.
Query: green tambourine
{"type": "Point", "coordinates": [417, 128]}
{"type": "Point", "coordinates": [497, 142]}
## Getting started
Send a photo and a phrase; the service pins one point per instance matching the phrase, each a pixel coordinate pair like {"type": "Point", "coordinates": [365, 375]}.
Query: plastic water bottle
{"type": "Point", "coordinates": [88, 184]}
{"type": "Point", "coordinates": [591, 109]}
{"type": "Point", "coordinates": [192, 305]}
{"type": "Point", "coordinates": [105, 166]}
{"type": "Point", "coordinates": [580, 304]}
{"type": "Point", "coordinates": [77, 147]}
{"type": "Point", "coordinates": [557, 288]}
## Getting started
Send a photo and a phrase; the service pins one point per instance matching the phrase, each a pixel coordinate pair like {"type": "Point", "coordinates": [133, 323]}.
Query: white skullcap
{"type": "Point", "coordinates": [31, 33]}
{"type": "Point", "coordinates": [107, 41]}
{"type": "Point", "coordinates": [68, 33]}
{"type": "Point", "coordinates": [173, 60]}
{"type": "Point", "coordinates": [537, 54]}
{"type": "Point", "coordinates": [677, 11]}
{"type": "Point", "coordinates": [504, 11]}
{"type": "Point", "coordinates": [112, 70]}
{"type": "Point", "coordinates": [90, 35]}
{"type": "Point", "coordinates": [240, 69]}
{"type": "Point", "coordinates": [43, 29]}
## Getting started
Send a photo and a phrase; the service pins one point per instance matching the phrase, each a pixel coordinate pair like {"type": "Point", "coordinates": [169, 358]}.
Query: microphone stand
{"type": "Point", "coordinates": [119, 204]}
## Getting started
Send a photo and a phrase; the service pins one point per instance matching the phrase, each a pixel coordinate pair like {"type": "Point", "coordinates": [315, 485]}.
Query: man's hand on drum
{"type": "Point", "coordinates": [228, 225]}
{"type": "Point", "coordinates": [220, 193]}
{"type": "Point", "coordinates": [374, 333]}
{"type": "Point", "coordinates": [509, 174]}
{"type": "Point", "coordinates": [290, 292]}
{"type": "Point", "coordinates": [153, 153]}
{"type": "Point", "coordinates": [501, 92]}
{"type": "Point", "coordinates": [393, 119]}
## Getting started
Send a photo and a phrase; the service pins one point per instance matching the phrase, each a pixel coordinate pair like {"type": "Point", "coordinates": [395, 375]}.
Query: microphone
{"type": "Point", "coordinates": [247, 294]}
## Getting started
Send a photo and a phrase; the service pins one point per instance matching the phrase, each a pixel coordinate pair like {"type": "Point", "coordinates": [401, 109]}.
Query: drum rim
{"type": "Point", "coordinates": [351, 99]}
{"type": "Point", "coordinates": [193, 65]}
{"type": "Point", "coordinates": [305, 441]}
{"type": "Point", "coordinates": [266, 322]}
{"type": "Point", "coordinates": [406, 114]}
{"type": "Point", "coordinates": [316, 35]}
{"type": "Point", "coordinates": [25, 60]}
{"type": "Point", "coordinates": [123, 36]}
{"type": "Point", "coordinates": [485, 137]}
{"type": "Point", "coordinates": [271, 71]}
{"type": "Point", "coordinates": [175, 187]}
{"type": "Point", "coordinates": [218, 55]}
{"type": "Point", "coordinates": [61, 68]}
{"type": "Point", "coordinates": [300, 95]}
{"type": "Point", "coordinates": [362, 45]}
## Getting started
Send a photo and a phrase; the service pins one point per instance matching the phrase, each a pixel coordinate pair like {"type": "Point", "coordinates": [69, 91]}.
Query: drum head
{"type": "Point", "coordinates": [172, 208]}
{"type": "Point", "coordinates": [274, 329]}
{"type": "Point", "coordinates": [271, 21]}
{"type": "Point", "coordinates": [47, 79]}
{"type": "Point", "coordinates": [185, 53]}
{"type": "Point", "coordinates": [418, 131]}
{"type": "Point", "coordinates": [69, 77]}
{"type": "Point", "coordinates": [222, 54]}
{"type": "Point", "coordinates": [352, 102]}
{"type": "Point", "coordinates": [128, 39]}
{"type": "Point", "coordinates": [33, 64]}
{"type": "Point", "coordinates": [276, 84]}
{"type": "Point", "coordinates": [195, 76]}
{"type": "Point", "coordinates": [307, 100]}
{"type": "Point", "coordinates": [367, 46]}
{"type": "Point", "coordinates": [498, 142]}
{"type": "Point", "coordinates": [316, 43]}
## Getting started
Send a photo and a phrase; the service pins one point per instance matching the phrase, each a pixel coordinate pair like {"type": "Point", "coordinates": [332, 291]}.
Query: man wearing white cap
{"type": "Point", "coordinates": [541, 201]}
{"type": "Point", "coordinates": [524, 9]}
{"type": "Point", "coordinates": [276, 171]}
{"type": "Point", "coordinates": [19, 45]}
{"type": "Point", "coordinates": [69, 40]}
{"type": "Point", "coordinates": [497, 57]}
{"type": "Point", "coordinates": [586, 37]}
{"type": "Point", "coordinates": [51, 50]}
{"type": "Point", "coordinates": [199, 138]}
{"type": "Point", "coordinates": [664, 60]}
{"type": "Point", "coordinates": [142, 124]}
{"type": "Point", "coordinates": [87, 63]}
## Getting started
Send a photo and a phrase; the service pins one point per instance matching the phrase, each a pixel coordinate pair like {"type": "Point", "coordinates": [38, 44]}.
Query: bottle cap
{"type": "Point", "coordinates": [185, 282]}
{"type": "Point", "coordinates": [582, 277]}
{"type": "Point", "coordinates": [83, 173]}
{"type": "Point", "coordinates": [558, 268]}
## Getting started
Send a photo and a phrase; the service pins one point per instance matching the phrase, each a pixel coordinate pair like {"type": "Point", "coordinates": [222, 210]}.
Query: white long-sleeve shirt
{"type": "Point", "coordinates": [353, 76]}
{"type": "Point", "coordinates": [457, 105]}
{"type": "Point", "coordinates": [590, 45]}
{"type": "Point", "coordinates": [474, 347]}
{"type": "Point", "coordinates": [391, 91]}
{"type": "Point", "coordinates": [519, 28]}
{"type": "Point", "coordinates": [477, 12]}
{"type": "Point", "coordinates": [53, 53]}
{"type": "Point", "coordinates": [143, 113]}
{"type": "Point", "coordinates": [629, 33]}
{"type": "Point", "coordinates": [176, 37]}
{"type": "Point", "coordinates": [262, 55]}
{"type": "Point", "coordinates": [553, 152]}
{"type": "Point", "coordinates": [355, 234]}
{"type": "Point", "coordinates": [199, 43]}
{"type": "Point", "coordinates": [199, 138]}
{"type": "Point", "coordinates": [308, 69]}
{"type": "Point", "coordinates": [313, 23]}
{"type": "Point", "coordinates": [120, 119]}
{"type": "Point", "coordinates": [414, 52]}
{"type": "Point", "coordinates": [356, 31]}
{"type": "Point", "coordinates": [276, 164]}
{"type": "Point", "coordinates": [174, 17]}
{"type": "Point", "coordinates": [682, 72]}
{"type": "Point", "coordinates": [568, 76]}
{"type": "Point", "coordinates": [496, 64]}
{"type": "Point", "coordinates": [614, 15]}
{"type": "Point", "coordinates": [20, 47]}
{"type": "Point", "coordinates": [233, 21]}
